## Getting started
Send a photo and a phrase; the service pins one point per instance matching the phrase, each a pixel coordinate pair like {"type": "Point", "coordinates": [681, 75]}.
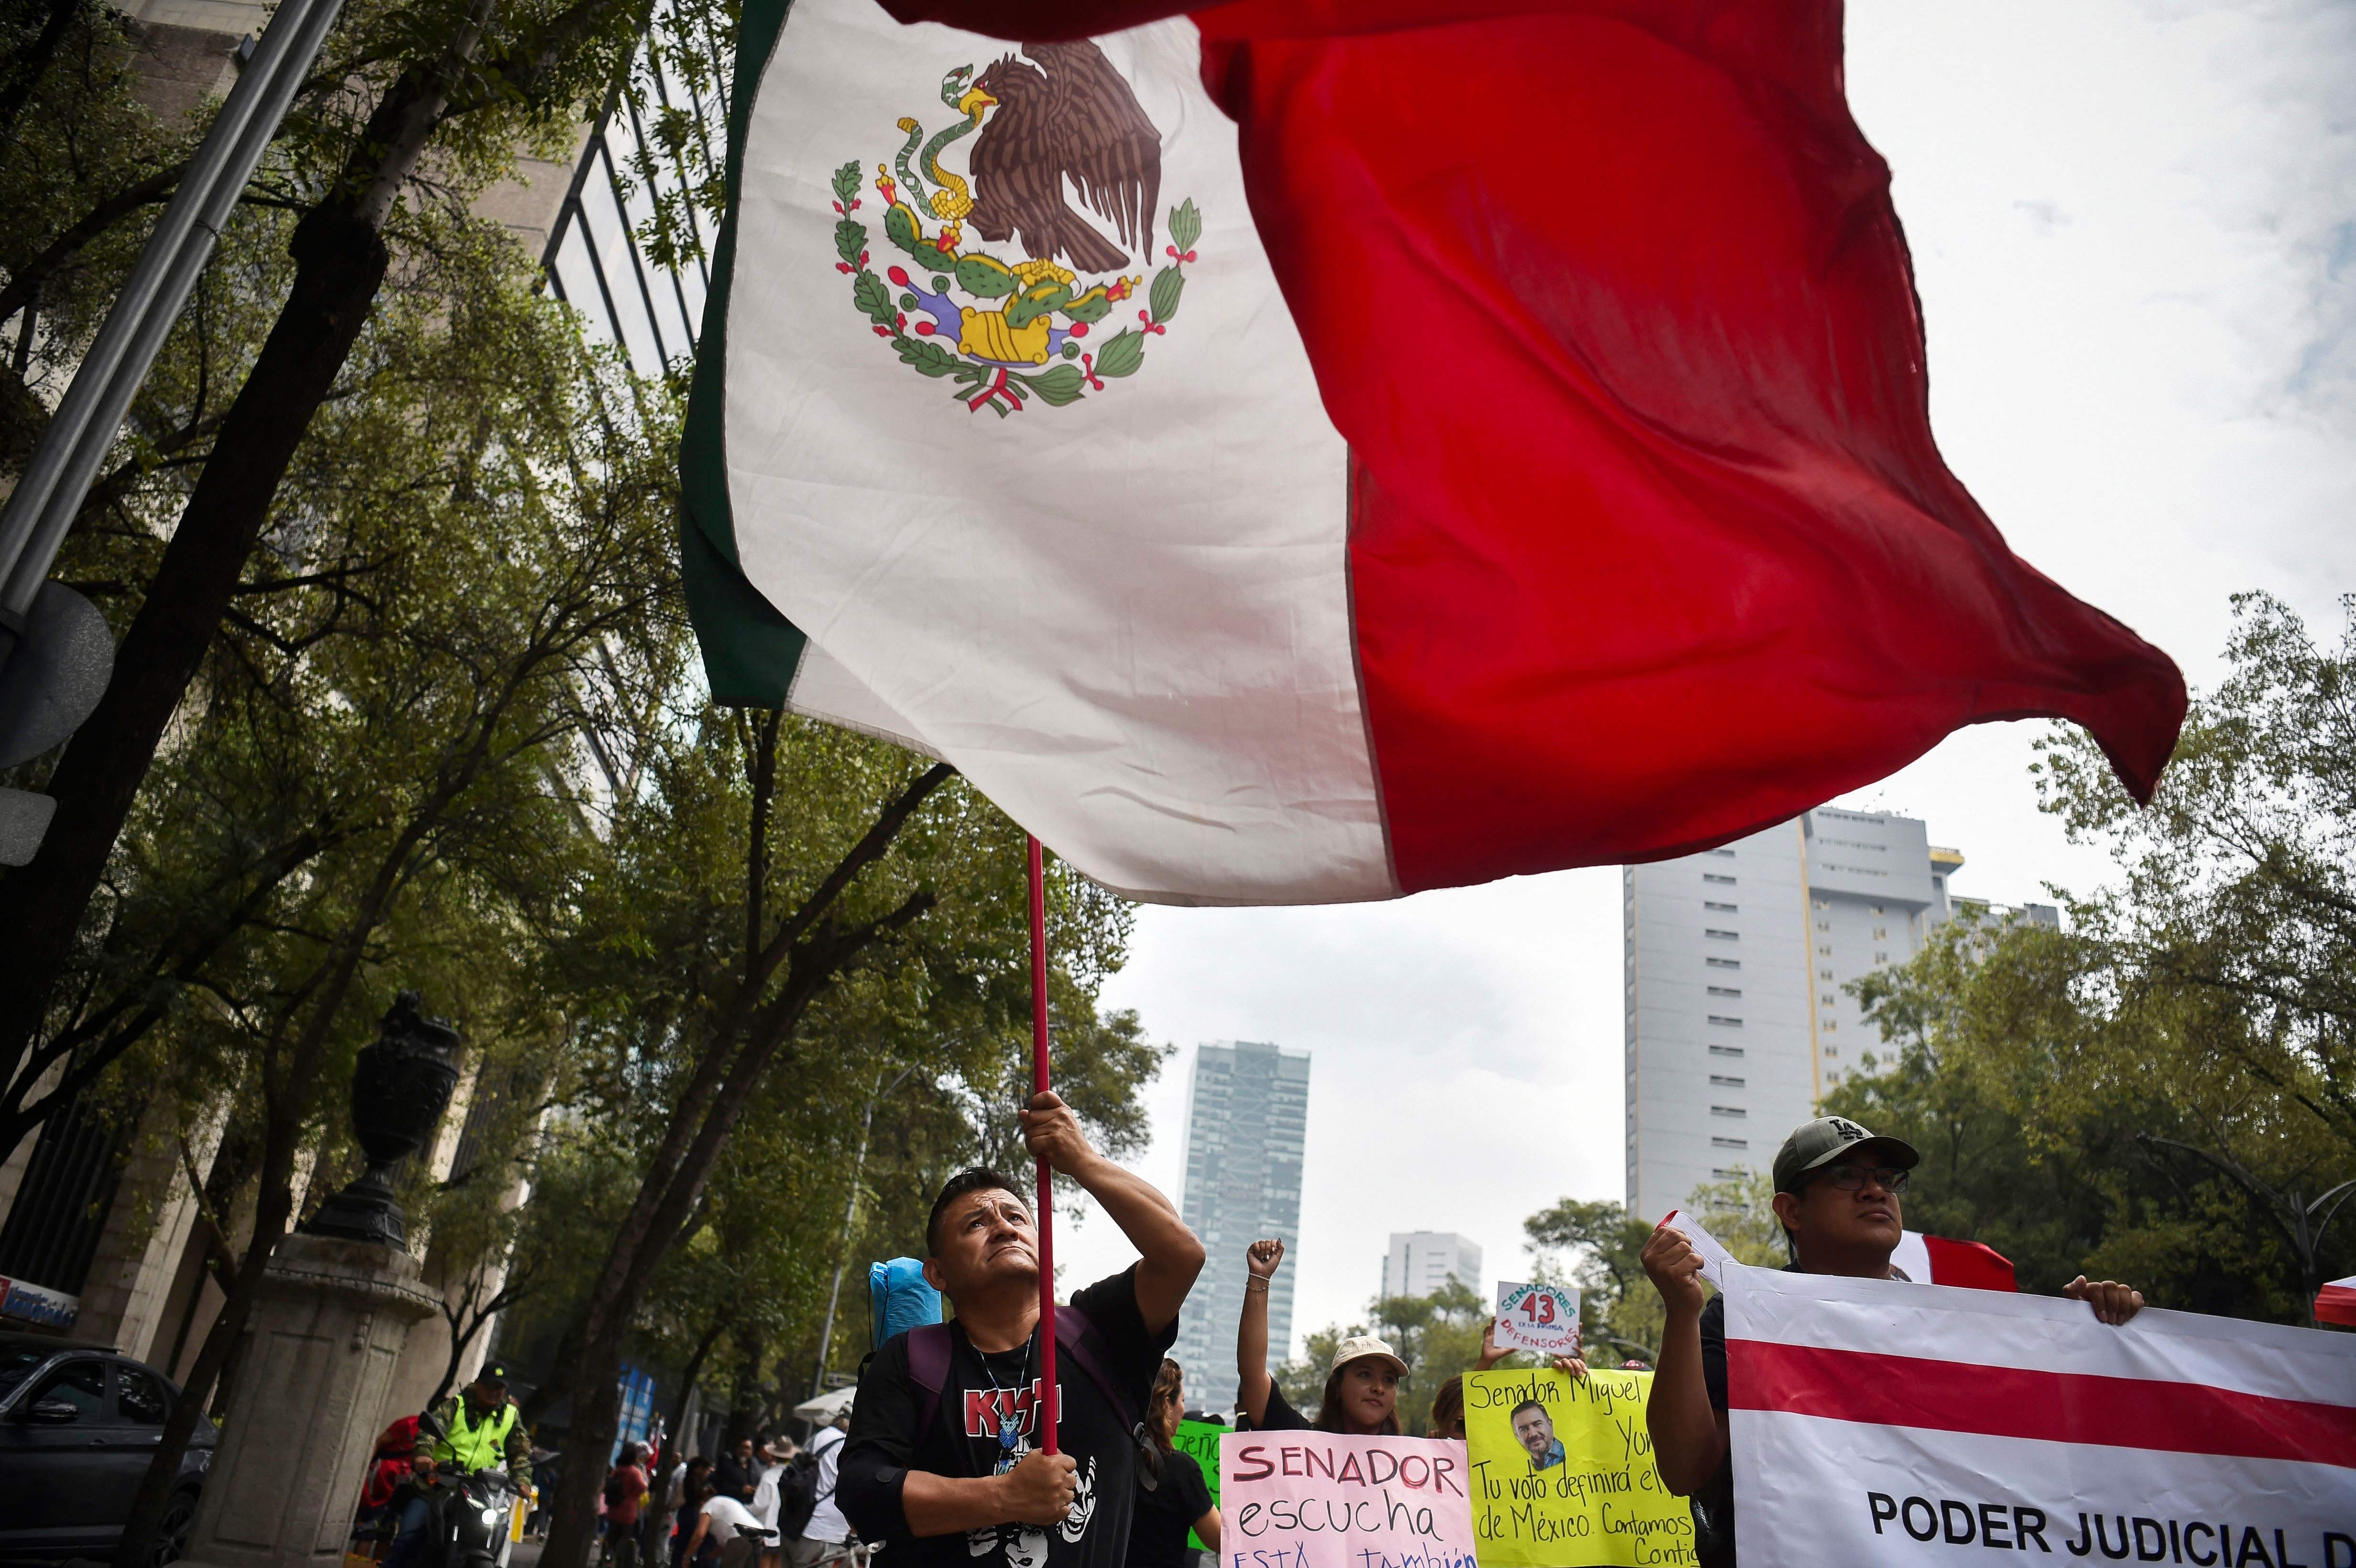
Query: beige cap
{"type": "Point", "coordinates": [1361, 1346]}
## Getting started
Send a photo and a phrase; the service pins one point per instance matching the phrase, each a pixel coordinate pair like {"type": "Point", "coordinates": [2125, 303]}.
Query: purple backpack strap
{"type": "Point", "coordinates": [1078, 1337]}
{"type": "Point", "coordinates": [928, 1369]}
{"type": "Point", "coordinates": [928, 1364]}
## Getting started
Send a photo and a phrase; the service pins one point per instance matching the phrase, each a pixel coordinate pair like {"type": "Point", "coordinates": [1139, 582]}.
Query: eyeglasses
{"type": "Point", "coordinates": [1851, 1178]}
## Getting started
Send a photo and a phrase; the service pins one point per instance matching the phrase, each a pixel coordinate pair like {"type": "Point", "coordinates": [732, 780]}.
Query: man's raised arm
{"type": "Point", "coordinates": [1168, 1255]}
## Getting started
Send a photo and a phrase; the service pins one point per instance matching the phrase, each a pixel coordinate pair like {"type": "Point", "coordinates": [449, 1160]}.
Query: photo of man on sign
{"type": "Point", "coordinates": [1534, 1429]}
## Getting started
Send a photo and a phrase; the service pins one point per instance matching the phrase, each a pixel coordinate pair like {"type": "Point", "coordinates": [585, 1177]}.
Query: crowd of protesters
{"type": "Point", "coordinates": [942, 1454]}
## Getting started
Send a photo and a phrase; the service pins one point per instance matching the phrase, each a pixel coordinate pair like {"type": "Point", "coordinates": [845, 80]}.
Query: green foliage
{"type": "Point", "coordinates": [1186, 225]}
{"type": "Point", "coordinates": [1594, 1245]}
{"type": "Point", "coordinates": [851, 242]}
{"type": "Point", "coordinates": [1121, 354]}
{"type": "Point", "coordinates": [926, 356]}
{"type": "Point", "coordinates": [1059, 386]}
{"type": "Point", "coordinates": [2240, 883]}
{"type": "Point", "coordinates": [2028, 1078]}
{"type": "Point", "coordinates": [867, 293]}
{"type": "Point", "coordinates": [1163, 296]}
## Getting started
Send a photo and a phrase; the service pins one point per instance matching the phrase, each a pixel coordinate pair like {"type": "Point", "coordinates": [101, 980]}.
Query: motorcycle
{"type": "Point", "coordinates": [470, 1514]}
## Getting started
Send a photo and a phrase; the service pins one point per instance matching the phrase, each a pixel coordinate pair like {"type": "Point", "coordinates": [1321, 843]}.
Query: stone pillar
{"type": "Point", "coordinates": [326, 1339]}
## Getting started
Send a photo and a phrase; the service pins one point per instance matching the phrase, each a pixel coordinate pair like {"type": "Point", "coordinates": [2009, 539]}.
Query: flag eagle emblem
{"type": "Point", "coordinates": [1003, 329]}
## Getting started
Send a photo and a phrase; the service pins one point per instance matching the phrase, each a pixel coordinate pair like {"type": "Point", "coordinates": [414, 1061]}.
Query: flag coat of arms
{"type": "Point", "coordinates": [1282, 456]}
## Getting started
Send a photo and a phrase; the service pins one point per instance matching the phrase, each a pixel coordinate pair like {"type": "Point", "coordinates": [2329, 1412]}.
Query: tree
{"type": "Point", "coordinates": [2023, 1065]}
{"type": "Point", "coordinates": [2241, 880]}
{"type": "Point", "coordinates": [389, 737]}
{"type": "Point", "coordinates": [778, 882]}
{"type": "Point", "coordinates": [413, 110]}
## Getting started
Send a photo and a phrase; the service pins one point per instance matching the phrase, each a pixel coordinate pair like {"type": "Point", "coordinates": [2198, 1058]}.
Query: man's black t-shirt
{"type": "Point", "coordinates": [980, 1397]}
{"type": "Point", "coordinates": [1157, 1535]}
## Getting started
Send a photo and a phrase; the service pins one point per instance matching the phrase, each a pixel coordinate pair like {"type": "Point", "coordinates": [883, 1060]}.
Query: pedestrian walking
{"type": "Point", "coordinates": [626, 1493]}
{"type": "Point", "coordinates": [692, 1481]}
{"type": "Point", "coordinates": [826, 1533]}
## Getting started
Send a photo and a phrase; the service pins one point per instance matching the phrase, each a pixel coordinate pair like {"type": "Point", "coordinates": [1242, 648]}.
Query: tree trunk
{"type": "Point", "coordinates": [687, 1377]}
{"type": "Point", "coordinates": [340, 264]}
{"type": "Point", "coordinates": [24, 70]}
{"type": "Point", "coordinates": [276, 1206]}
{"type": "Point", "coordinates": [748, 1036]}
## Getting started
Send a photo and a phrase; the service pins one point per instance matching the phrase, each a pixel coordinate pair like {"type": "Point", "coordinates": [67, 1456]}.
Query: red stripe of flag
{"type": "Point", "coordinates": [2049, 1407]}
{"type": "Point", "coordinates": [1972, 1265]}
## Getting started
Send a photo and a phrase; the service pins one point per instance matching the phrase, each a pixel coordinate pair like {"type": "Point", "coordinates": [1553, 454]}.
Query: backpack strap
{"type": "Point", "coordinates": [928, 1369]}
{"type": "Point", "coordinates": [1079, 1338]}
{"type": "Point", "coordinates": [928, 1364]}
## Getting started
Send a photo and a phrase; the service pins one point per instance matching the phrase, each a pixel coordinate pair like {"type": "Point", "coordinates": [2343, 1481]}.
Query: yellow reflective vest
{"type": "Point", "coordinates": [474, 1445]}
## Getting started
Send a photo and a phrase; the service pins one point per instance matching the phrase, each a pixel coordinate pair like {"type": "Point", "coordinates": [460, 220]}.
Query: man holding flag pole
{"type": "Point", "coordinates": [963, 1446]}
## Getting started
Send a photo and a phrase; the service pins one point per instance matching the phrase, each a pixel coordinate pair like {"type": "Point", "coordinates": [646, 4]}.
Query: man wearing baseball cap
{"type": "Point", "coordinates": [1837, 1191]}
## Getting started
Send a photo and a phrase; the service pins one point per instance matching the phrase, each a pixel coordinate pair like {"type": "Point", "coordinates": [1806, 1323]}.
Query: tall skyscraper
{"type": "Point", "coordinates": [1420, 1262]}
{"type": "Point", "coordinates": [1737, 958]}
{"type": "Point", "coordinates": [1247, 1114]}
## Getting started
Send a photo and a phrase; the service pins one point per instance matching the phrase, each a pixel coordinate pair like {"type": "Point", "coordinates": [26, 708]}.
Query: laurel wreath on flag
{"type": "Point", "coordinates": [981, 384]}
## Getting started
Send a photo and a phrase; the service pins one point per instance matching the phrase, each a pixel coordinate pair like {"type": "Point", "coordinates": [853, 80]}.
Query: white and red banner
{"type": "Point", "coordinates": [2336, 1302]}
{"type": "Point", "coordinates": [1878, 1421]}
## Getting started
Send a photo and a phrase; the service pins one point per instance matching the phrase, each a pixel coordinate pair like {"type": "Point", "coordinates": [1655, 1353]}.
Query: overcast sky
{"type": "Point", "coordinates": [2133, 227]}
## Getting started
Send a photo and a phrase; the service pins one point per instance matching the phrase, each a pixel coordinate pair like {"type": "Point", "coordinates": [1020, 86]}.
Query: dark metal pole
{"type": "Point", "coordinates": [42, 507]}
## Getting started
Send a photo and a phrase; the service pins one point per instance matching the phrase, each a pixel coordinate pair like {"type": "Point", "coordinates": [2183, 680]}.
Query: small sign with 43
{"type": "Point", "coordinates": [1541, 1317]}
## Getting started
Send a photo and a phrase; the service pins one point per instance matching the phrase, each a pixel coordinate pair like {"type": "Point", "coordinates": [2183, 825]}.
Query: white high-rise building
{"type": "Point", "coordinates": [1737, 958]}
{"type": "Point", "coordinates": [1246, 1118]}
{"type": "Point", "coordinates": [1420, 1262]}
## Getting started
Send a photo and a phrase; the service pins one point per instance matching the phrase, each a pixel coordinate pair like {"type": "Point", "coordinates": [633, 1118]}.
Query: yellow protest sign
{"type": "Point", "coordinates": [1563, 1474]}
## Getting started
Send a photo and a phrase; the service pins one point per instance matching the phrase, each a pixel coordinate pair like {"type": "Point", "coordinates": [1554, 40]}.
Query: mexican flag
{"type": "Point", "coordinates": [1302, 452]}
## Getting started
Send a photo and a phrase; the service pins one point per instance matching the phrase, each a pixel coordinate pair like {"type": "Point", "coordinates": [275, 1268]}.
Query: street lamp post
{"type": "Point", "coordinates": [55, 652]}
{"type": "Point", "coordinates": [2295, 1217]}
{"type": "Point", "coordinates": [850, 1217]}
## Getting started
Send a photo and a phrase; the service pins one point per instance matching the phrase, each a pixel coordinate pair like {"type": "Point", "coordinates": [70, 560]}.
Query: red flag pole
{"type": "Point", "coordinates": [1046, 1211]}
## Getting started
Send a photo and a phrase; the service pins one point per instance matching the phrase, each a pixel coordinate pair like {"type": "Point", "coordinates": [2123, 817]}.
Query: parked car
{"type": "Point", "coordinates": [77, 1426]}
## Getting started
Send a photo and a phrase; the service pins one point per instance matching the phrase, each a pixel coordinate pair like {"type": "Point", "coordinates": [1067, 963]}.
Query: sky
{"type": "Point", "coordinates": [2134, 228]}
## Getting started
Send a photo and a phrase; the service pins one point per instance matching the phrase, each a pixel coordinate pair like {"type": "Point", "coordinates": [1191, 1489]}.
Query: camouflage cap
{"type": "Point", "coordinates": [1827, 1138]}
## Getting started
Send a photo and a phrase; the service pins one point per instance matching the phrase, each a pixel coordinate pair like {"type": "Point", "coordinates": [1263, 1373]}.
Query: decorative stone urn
{"type": "Point", "coordinates": [400, 1089]}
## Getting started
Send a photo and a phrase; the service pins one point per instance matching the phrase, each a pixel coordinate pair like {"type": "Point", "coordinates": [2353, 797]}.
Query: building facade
{"type": "Point", "coordinates": [1738, 962]}
{"type": "Point", "coordinates": [1246, 1120]}
{"type": "Point", "coordinates": [1420, 1262]}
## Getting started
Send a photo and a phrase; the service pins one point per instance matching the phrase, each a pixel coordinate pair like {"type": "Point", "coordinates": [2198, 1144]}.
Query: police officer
{"type": "Point", "coordinates": [481, 1430]}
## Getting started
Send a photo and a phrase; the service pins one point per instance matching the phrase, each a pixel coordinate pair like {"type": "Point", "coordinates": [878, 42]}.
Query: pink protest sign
{"type": "Point", "coordinates": [1317, 1499]}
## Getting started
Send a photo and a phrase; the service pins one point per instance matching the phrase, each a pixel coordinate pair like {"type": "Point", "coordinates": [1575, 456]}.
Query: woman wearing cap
{"type": "Point", "coordinates": [1361, 1397]}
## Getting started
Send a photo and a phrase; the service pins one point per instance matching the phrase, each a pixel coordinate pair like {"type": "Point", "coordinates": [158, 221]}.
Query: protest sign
{"type": "Point", "coordinates": [1201, 1438]}
{"type": "Point", "coordinates": [1563, 1474]}
{"type": "Point", "coordinates": [1318, 1500]}
{"type": "Point", "coordinates": [1541, 1317]}
{"type": "Point", "coordinates": [1877, 1421]}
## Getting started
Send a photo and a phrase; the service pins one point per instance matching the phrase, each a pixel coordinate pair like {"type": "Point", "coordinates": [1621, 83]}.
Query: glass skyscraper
{"type": "Point", "coordinates": [1247, 1114]}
